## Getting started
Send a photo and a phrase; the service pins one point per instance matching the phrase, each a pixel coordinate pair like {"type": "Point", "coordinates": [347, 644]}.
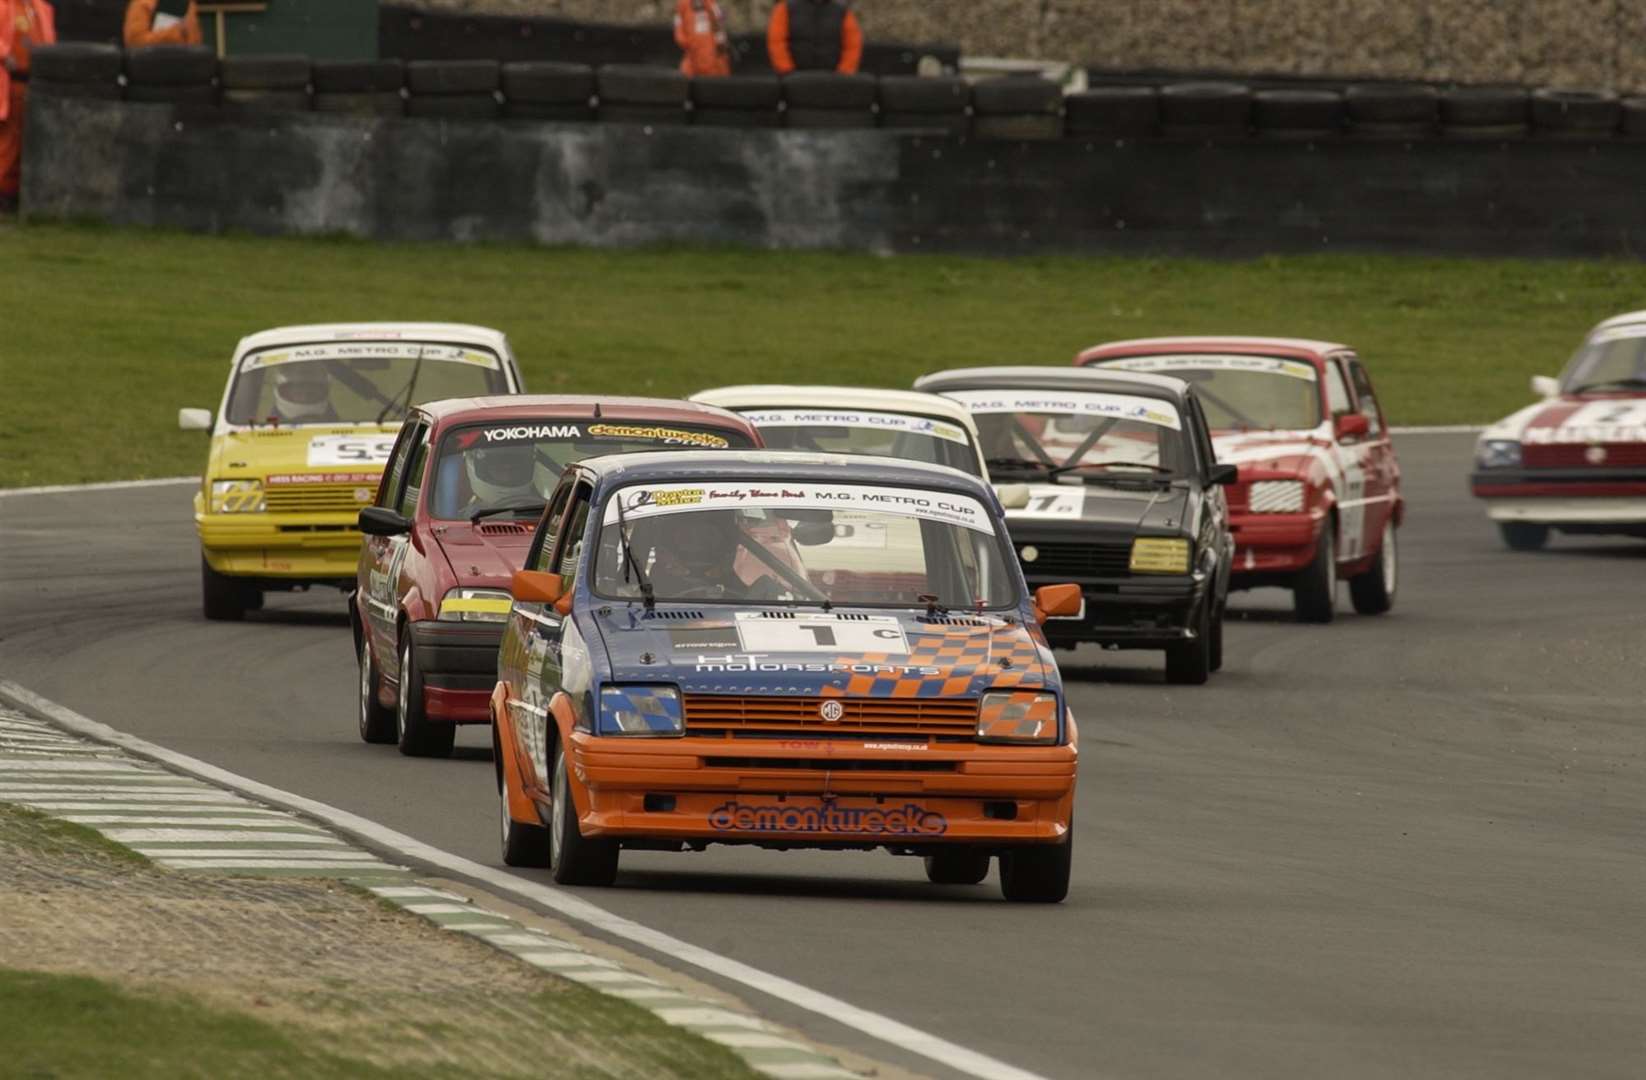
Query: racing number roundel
{"type": "Point", "coordinates": [831, 712]}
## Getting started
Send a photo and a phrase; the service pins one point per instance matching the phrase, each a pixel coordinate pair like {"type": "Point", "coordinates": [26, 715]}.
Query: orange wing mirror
{"type": "Point", "coordinates": [1056, 601]}
{"type": "Point", "coordinates": [536, 587]}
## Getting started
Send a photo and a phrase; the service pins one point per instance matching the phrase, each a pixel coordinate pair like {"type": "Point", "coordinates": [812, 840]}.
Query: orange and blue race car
{"type": "Point", "coordinates": [783, 650]}
{"type": "Point", "coordinates": [466, 481]}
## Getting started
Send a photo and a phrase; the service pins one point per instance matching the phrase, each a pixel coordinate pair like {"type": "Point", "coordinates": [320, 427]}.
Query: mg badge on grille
{"type": "Point", "coordinates": [363, 494]}
{"type": "Point", "coordinates": [831, 712]}
{"type": "Point", "coordinates": [1030, 553]}
{"type": "Point", "coordinates": [1595, 455]}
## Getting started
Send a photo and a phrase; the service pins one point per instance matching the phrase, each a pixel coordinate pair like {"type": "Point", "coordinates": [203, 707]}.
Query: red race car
{"type": "Point", "coordinates": [1318, 499]}
{"type": "Point", "coordinates": [463, 489]}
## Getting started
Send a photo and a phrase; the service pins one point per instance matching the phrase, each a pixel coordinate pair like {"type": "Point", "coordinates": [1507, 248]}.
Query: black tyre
{"type": "Point", "coordinates": [1575, 114]}
{"type": "Point", "coordinates": [76, 62]}
{"type": "Point", "coordinates": [1206, 110]}
{"type": "Point", "coordinates": [1037, 874]}
{"type": "Point", "coordinates": [1488, 132]}
{"type": "Point", "coordinates": [1127, 112]}
{"type": "Point", "coordinates": [84, 91]}
{"type": "Point", "coordinates": [830, 90]}
{"type": "Point", "coordinates": [738, 92]}
{"type": "Point", "coordinates": [936, 123]}
{"type": "Point", "coordinates": [1373, 592]}
{"type": "Point", "coordinates": [1033, 128]}
{"type": "Point", "coordinates": [1017, 95]}
{"type": "Point", "coordinates": [170, 65]}
{"type": "Point", "coordinates": [376, 720]}
{"type": "Point", "coordinates": [1483, 107]}
{"type": "Point", "coordinates": [1523, 536]}
{"type": "Point", "coordinates": [1297, 113]}
{"type": "Point", "coordinates": [453, 106]}
{"type": "Point", "coordinates": [1215, 640]}
{"type": "Point", "coordinates": [1189, 662]}
{"type": "Point", "coordinates": [264, 72]}
{"type": "Point", "coordinates": [453, 76]}
{"type": "Point", "coordinates": [914, 94]}
{"type": "Point", "coordinates": [549, 113]}
{"type": "Point", "coordinates": [204, 94]}
{"type": "Point", "coordinates": [656, 115]}
{"type": "Point", "coordinates": [1392, 103]}
{"type": "Point", "coordinates": [577, 860]}
{"type": "Point", "coordinates": [959, 866]}
{"type": "Point", "coordinates": [523, 845]}
{"type": "Point", "coordinates": [1392, 131]}
{"type": "Point", "coordinates": [357, 76]}
{"type": "Point", "coordinates": [547, 82]}
{"type": "Point", "coordinates": [1314, 590]}
{"type": "Point", "coordinates": [381, 103]}
{"type": "Point", "coordinates": [637, 84]}
{"type": "Point", "coordinates": [266, 100]}
{"type": "Point", "coordinates": [801, 117]}
{"type": "Point", "coordinates": [223, 598]}
{"type": "Point", "coordinates": [417, 734]}
{"type": "Point", "coordinates": [737, 118]}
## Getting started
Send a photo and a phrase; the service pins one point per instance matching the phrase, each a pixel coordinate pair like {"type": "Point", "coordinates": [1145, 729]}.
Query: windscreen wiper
{"type": "Point", "coordinates": [647, 595]}
{"type": "Point", "coordinates": [493, 511]}
{"type": "Point", "coordinates": [1155, 471]}
{"type": "Point", "coordinates": [1631, 383]}
{"type": "Point", "coordinates": [407, 391]}
{"type": "Point", "coordinates": [1004, 463]}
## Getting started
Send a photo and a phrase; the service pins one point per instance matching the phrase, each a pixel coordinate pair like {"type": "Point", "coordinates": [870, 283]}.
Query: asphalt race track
{"type": "Point", "coordinates": [1407, 846]}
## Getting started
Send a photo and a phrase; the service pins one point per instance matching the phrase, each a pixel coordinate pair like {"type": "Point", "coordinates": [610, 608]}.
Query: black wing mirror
{"type": "Point", "coordinates": [1223, 474]}
{"type": "Point", "coordinates": [381, 521]}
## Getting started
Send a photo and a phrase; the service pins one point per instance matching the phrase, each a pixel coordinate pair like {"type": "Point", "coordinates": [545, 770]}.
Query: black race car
{"type": "Point", "coordinates": [1109, 479]}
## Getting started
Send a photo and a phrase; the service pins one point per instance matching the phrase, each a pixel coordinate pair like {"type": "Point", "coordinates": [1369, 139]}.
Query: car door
{"type": "Point", "coordinates": [395, 582]}
{"type": "Point", "coordinates": [376, 602]}
{"type": "Point", "coordinates": [1216, 500]}
{"type": "Point", "coordinates": [1378, 455]}
{"type": "Point", "coordinates": [521, 656]}
{"type": "Point", "coordinates": [1349, 461]}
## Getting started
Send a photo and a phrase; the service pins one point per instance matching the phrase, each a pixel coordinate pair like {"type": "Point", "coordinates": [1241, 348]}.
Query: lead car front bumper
{"type": "Point", "coordinates": [1131, 613]}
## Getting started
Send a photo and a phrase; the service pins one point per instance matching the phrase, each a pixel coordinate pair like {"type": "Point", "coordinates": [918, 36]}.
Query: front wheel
{"type": "Point", "coordinates": [1373, 592]}
{"type": "Point", "coordinates": [1189, 662]}
{"type": "Point", "coordinates": [1523, 535]}
{"type": "Point", "coordinates": [577, 860]}
{"type": "Point", "coordinates": [1038, 874]}
{"type": "Point", "coordinates": [223, 598]}
{"type": "Point", "coordinates": [1216, 649]}
{"type": "Point", "coordinates": [418, 735]}
{"type": "Point", "coordinates": [1314, 593]}
{"type": "Point", "coordinates": [960, 866]}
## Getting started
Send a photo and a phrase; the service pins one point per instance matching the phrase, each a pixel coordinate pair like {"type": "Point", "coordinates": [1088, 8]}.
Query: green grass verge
{"type": "Point", "coordinates": [53, 836]}
{"type": "Point", "coordinates": [108, 332]}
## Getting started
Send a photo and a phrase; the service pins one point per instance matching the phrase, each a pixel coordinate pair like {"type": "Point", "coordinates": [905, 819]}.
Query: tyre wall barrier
{"type": "Point", "coordinates": [201, 167]}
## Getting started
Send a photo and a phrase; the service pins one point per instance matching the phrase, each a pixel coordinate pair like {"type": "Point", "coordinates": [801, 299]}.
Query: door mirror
{"type": "Point", "coordinates": [536, 587]}
{"type": "Point", "coordinates": [1351, 426]}
{"type": "Point", "coordinates": [1056, 601]}
{"type": "Point", "coordinates": [1223, 474]}
{"type": "Point", "coordinates": [194, 419]}
{"type": "Point", "coordinates": [1013, 496]}
{"type": "Point", "coordinates": [1545, 387]}
{"type": "Point", "coordinates": [381, 521]}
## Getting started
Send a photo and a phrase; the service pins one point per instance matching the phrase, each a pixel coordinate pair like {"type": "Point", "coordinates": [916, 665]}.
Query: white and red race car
{"type": "Point", "coordinates": [1575, 461]}
{"type": "Point", "coordinates": [1318, 500]}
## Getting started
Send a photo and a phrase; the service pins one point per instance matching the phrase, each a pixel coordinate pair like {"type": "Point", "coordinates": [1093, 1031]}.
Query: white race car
{"type": "Point", "coordinates": [1575, 461]}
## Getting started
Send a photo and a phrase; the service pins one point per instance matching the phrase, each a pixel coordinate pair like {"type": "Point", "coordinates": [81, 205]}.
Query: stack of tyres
{"type": "Point", "coordinates": [940, 103]}
{"type": "Point", "coordinates": [1298, 115]}
{"type": "Point", "coordinates": [1112, 112]}
{"type": "Point", "coordinates": [1206, 110]}
{"type": "Point", "coordinates": [1483, 112]}
{"type": "Point", "coordinates": [172, 74]}
{"type": "Point", "coordinates": [828, 99]}
{"type": "Point", "coordinates": [548, 91]}
{"type": "Point", "coordinates": [265, 83]}
{"type": "Point", "coordinates": [1392, 111]}
{"type": "Point", "coordinates": [1025, 107]}
{"type": "Point", "coordinates": [739, 101]}
{"type": "Point", "coordinates": [453, 89]}
{"type": "Point", "coordinates": [77, 69]}
{"type": "Point", "coordinates": [1633, 110]}
{"type": "Point", "coordinates": [1575, 114]}
{"type": "Point", "coordinates": [641, 94]}
{"type": "Point", "coordinates": [359, 87]}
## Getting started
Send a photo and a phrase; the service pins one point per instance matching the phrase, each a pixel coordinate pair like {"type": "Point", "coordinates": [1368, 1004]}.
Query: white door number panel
{"type": "Point", "coordinates": [350, 450]}
{"type": "Point", "coordinates": [820, 633]}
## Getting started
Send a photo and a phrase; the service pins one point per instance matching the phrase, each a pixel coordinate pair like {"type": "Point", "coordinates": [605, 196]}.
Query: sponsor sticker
{"type": "Point", "coordinates": [1596, 422]}
{"type": "Point", "coordinates": [851, 418]}
{"type": "Point", "coordinates": [530, 433]}
{"type": "Point", "coordinates": [910, 819]}
{"type": "Point", "coordinates": [331, 450]}
{"type": "Point", "coordinates": [283, 479]}
{"type": "Point", "coordinates": [947, 507]}
{"type": "Point", "coordinates": [751, 662]}
{"type": "Point", "coordinates": [691, 638]}
{"type": "Point", "coordinates": [373, 350]}
{"type": "Point", "coordinates": [1066, 403]}
{"type": "Point", "coordinates": [666, 435]}
{"type": "Point", "coordinates": [1266, 365]}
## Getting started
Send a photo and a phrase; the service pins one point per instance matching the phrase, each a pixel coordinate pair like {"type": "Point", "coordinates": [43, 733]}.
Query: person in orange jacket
{"type": "Point", "coordinates": [141, 31]}
{"type": "Point", "coordinates": [814, 35]}
{"type": "Point", "coordinates": [700, 31]}
{"type": "Point", "coordinates": [23, 25]}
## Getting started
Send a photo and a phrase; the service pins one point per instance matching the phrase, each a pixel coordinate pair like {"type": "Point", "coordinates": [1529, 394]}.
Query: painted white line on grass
{"type": "Point", "coordinates": [200, 797]}
{"type": "Point", "coordinates": [873, 1024]}
{"type": "Point", "coordinates": [219, 836]}
{"type": "Point", "coordinates": [112, 485]}
{"type": "Point", "coordinates": [178, 863]}
{"type": "Point", "coordinates": [58, 802]}
{"type": "Point", "coordinates": [252, 851]}
{"type": "Point", "coordinates": [11, 765]}
{"type": "Point", "coordinates": [140, 819]}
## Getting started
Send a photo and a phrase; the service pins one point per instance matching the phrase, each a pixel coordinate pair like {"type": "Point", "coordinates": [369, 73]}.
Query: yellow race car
{"type": "Point", "coordinates": [300, 440]}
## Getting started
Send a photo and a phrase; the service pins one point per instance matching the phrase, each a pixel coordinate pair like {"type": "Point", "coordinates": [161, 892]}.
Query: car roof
{"type": "Point", "coordinates": [1628, 318]}
{"type": "Point", "coordinates": [456, 333]}
{"type": "Point", "coordinates": [673, 466]}
{"type": "Point", "coordinates": [774, 396]}
{"type": "Point", "coordinates": [579, 407]}
{"type": "Point", "coordinates": [1242, 345]}
{"type": "Point", "coordinates": [1057, 378]}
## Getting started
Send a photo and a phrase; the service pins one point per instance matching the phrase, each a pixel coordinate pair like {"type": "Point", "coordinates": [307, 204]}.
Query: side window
{"type": "Point", "coordinates": [416, 465]}
{"type": "Point", "coordinates": [1202, 436]}
{"type": "Point", "coordinates": [571, 542]}
{"type": "Point", "coordinates": [388, 493]}
{"type": "Point", "coordinates": [1337, 391]}
{"type": "Point", "coordinates": [543, 547]}
{"type": "Point", "coordinates": [1368, 399]}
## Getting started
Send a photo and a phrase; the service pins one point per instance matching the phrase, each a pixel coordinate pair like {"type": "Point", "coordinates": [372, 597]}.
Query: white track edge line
{"type": "Point", "coordinates": [873, 1024]}
{"type": "Point", "coordinates": [111, 485]}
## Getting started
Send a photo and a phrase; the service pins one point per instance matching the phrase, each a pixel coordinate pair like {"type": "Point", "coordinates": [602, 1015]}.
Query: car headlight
{"type": "Point", "coordinates": [1498, 454]}
{"type": "Point", "coordinates": [1275, 497]}
{"type": "Point", "coordinates": [1160, 555]}
{"type": "Point", "coordinates": [641, 710]}
{"type": "Point", "coordinates": [476, 605]}
{"type": "Point", "coordinates": [236, 496]}
{"type": "Point", "coordinates": [1017, 716]}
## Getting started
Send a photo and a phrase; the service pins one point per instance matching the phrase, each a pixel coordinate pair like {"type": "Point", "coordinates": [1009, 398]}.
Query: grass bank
{"type": "Point", "coordinates": [105, 333]}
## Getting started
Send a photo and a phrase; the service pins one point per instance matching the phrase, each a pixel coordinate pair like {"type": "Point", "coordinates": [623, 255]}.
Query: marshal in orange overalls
{"type": "Point", "coordinates": [23, 25]}
{"type": "Point", "coordinates": [700, 31]}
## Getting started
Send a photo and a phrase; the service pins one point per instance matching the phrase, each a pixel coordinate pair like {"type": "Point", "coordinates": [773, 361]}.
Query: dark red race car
{"type": "Point", "coordinates": [464, 486]}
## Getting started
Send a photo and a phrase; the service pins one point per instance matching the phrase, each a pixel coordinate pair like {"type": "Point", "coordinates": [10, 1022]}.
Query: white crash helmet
{"type": "Point", "coordinates": [503, 475]}
{"type": "Point", "coordinates": [301, 392]}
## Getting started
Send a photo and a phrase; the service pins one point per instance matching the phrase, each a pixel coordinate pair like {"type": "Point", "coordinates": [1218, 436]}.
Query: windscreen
{"type": "Point", "coordinates": [357, 382]}
{"type": "Point", "coordinates": [1048, 433]}
{"type": "Point", "coordinates": [803, 544]}
{"type": "Point", "coordinates": [1242, 393]}
{"type": "Point", "coordinates": [514, 466]}
{"type": "Point", "coordinates": [853, 431]}
{"type": "Point", "coordinates": [1615, 360]}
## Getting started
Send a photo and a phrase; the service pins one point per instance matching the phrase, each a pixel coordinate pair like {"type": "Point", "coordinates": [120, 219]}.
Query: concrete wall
{"type": "Point", "coordinates": [615, 185]}
{"type": "Point", "coordinates": [1535, 42]}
